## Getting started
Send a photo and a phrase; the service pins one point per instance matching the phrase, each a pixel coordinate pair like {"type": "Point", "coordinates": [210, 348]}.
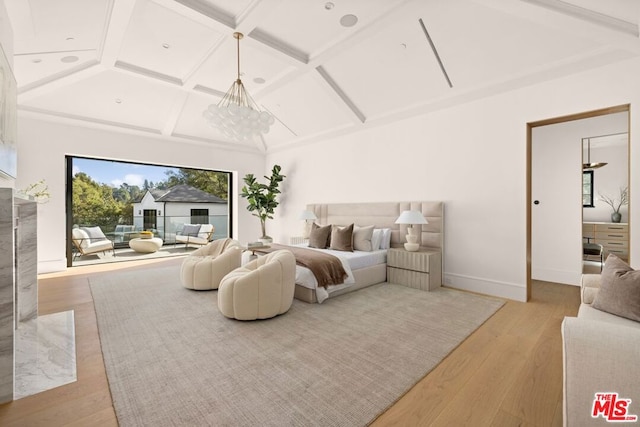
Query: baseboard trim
{"type": "Point", "coordinates": [52, 266]}
{"type": "Point", "coordinates": [556, 276]}
{"type": "Point", "coordinates": [513, 291]}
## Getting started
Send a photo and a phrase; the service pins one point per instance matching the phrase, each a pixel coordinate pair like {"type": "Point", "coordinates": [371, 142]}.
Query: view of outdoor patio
{"type": "Point", "coordinates": [169, 217]}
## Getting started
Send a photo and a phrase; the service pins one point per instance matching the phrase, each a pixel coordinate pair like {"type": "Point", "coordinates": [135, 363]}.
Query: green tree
{"type": "Point", "coordinates": [94, 204]}
{"type": "Point", "coordinates": [216, 183]}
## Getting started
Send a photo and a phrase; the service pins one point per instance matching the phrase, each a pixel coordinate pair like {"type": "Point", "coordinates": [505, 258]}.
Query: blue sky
{"type": "Point", "coordinates": [115, 173]}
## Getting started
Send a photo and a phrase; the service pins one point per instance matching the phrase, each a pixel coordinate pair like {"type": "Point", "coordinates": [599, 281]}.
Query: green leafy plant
{"type": "Point", "coordinates": [262, 198]}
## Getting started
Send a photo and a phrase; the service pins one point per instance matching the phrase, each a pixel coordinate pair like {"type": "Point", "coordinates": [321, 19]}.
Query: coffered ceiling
{"type": "Point", "coordinates": [322, 68]}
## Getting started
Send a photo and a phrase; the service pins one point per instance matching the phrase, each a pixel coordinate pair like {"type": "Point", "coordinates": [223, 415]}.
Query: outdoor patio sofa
{"type": "Point", "coordinates": [195, 234]}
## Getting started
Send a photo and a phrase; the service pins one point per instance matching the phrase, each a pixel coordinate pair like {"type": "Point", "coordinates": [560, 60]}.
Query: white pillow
{"type": "Point", "coordinates": [362, 238]}
{"type": "Point", "coordinates": [376, 239]}
{"type": "Point", "coordinates": [386, 238]}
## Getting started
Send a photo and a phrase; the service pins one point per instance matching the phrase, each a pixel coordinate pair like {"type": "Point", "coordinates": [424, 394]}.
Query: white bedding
{"type": "Point", "coordinates": [350, 261]}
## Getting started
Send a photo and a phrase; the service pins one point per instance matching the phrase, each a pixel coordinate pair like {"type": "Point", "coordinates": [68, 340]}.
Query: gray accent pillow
{"type": "Point", "coordinates": [191, 230]}
{"type": "Point", "coordinates": [362, 237]}
{"type": "Point", "coordinates": [319, 236]}
{"type": "Point", "coordinates": [95, 233]}
{"type": "Point", "coordinates": [342, 238]}
{"type": "Point", "coordinates": [619, 292]}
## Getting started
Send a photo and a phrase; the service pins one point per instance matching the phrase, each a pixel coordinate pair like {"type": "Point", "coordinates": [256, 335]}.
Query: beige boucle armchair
{"type": "Point", "coordinates": [205, 267]}
{"type": "Point", "coordinates": [261, 289]}
{"type": "Point", "coordinates": [600, 355]}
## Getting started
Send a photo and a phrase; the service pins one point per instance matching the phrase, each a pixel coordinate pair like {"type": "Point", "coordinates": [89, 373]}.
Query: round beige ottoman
{"type": "Point", "coordinates": [146, 245]}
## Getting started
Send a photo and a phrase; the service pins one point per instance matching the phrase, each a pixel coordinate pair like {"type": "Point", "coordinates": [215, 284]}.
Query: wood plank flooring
{"type": "Point", "coordinates": [507, 373]}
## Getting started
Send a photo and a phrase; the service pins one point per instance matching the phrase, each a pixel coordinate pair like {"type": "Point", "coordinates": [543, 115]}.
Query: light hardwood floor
{"type": "Point", "coordinates": [507, 373]}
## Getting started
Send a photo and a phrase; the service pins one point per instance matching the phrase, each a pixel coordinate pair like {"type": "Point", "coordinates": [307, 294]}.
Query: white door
{"type": "Point", "coordinates": [556, 213]}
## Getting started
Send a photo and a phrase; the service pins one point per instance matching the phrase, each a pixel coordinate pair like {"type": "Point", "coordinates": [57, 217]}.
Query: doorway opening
{"type": "Point", "coordinates": [531, 203]}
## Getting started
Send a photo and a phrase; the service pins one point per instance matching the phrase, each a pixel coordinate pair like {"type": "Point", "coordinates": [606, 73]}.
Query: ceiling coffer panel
{"type": "Point", "coordinates": [165, 42]}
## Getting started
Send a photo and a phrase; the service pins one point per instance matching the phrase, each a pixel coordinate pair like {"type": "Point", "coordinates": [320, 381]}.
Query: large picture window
{"type": "Point", "coordinates": [117, 202]}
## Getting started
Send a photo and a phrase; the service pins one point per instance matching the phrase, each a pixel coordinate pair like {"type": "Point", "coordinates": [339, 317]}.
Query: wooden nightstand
{"type": "Point", "coordinates": [421, 269]}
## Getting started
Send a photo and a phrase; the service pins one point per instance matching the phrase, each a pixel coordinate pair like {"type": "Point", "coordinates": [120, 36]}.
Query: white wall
{"type": "Point", "coordinates": [41, 155]}
{"type": "Point", "coordinates": [473, 157]}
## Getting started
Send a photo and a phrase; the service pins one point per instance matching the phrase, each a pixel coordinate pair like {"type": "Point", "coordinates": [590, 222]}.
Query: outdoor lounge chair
{"type": "Point", "coordinates": [195, 234]}
{"type": "Point", "coordinates": [90, 240]}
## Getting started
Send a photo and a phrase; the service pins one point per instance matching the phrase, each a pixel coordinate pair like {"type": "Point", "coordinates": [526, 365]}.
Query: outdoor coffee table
{"type": "Point", "coordinates": [146, 245]}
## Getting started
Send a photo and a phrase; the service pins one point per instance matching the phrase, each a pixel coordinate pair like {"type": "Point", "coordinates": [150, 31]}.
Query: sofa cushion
{"type": "Point", "coordinates": [619, 292]}
{"type": "Point", "coordinates": [587, 312]}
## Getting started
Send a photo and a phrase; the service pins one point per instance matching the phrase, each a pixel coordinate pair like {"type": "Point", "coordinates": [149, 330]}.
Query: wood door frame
{"type": "Point", "coordinates": [529, 166]}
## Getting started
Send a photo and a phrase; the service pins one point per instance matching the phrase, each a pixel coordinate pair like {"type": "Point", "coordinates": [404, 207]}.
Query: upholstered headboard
{"type": "Point", "coordinates": [384, 215]}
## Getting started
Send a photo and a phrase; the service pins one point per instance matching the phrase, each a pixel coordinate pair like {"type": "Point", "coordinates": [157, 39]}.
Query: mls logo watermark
{"type": "Point", "coordinates": [612, 408]}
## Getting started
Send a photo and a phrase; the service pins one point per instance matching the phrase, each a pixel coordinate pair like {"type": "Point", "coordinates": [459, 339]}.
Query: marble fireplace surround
{"type": "Point", "coordinates": [36, 353]}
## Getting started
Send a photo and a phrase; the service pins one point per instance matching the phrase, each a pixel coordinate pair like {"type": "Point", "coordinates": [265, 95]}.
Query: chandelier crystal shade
{"type": "Point", "coordinates": [237, 115]}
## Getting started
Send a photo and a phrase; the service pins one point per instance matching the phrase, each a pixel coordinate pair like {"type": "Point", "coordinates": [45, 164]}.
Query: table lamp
{"type": "Point", "coordinates": [411, 218]}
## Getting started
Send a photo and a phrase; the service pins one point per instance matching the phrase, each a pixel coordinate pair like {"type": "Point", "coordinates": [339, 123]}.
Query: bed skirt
{"type": "Point", "coordinates": [364, 277]}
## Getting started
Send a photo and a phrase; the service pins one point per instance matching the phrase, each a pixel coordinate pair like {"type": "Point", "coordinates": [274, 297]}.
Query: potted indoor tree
{"type": "Point", "coordinates": [262, 198]}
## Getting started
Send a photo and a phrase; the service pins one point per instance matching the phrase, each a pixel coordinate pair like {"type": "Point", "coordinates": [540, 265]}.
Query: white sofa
{"type": "Point", "coordinates": [601, 354]}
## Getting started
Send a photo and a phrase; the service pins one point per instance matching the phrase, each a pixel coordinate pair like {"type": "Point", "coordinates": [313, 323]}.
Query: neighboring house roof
{"type": "Point", "coordinates": [184, 194]}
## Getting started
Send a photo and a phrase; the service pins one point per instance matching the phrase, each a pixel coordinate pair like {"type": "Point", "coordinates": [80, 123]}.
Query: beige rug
{"type": "Point", "coordinates": [173, 359]}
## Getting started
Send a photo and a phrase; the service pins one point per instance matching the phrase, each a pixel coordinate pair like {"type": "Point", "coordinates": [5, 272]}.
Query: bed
{"type": "Point", "coordinates": [381, 215]}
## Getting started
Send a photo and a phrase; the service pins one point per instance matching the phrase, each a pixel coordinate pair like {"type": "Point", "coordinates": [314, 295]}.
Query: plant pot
{"type": "Point", "coordinates": [616, 217]}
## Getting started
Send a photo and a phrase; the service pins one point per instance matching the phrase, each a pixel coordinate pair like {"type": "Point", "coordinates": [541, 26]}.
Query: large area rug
{"type": "Point", "coordinates": [173, 359]}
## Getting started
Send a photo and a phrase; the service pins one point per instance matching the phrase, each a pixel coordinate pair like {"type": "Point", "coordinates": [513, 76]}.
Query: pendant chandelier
{"type": "Point", "coordinates": [589, 165]}
{"type": "Point", "coordinates": [237, 115]}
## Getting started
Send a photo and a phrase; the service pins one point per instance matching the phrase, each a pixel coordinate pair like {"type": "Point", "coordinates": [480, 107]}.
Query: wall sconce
{"type": "Point", "coordinates": [139, 212]}
{"type": "Point", "coordinates": [159, 213]}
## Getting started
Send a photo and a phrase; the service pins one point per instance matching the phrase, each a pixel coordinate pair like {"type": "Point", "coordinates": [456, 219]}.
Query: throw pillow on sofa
{"type": "Point", "coordinates": [619, 292]}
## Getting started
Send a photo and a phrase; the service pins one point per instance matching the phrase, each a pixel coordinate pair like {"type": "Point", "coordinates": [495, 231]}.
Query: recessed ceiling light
{"type": "Point", "coordinates": [36, 61]}
{"type": "Point", "coordinates": [328, 5]}
{"type": "Point", "coordinates": [348, 20]}
{"type": "Point", "coordinates": [118, 101]}
{"type": "Point", "coordinates": [70, 38]}
{"type": "Point", "coordinates": [67, 59]}
{"type": "Point", "coordinates": [259, 80]}
{"type": "Point", "coordinates": [403, 45]}
{"type": "Point", "coordinates": [166, 45]}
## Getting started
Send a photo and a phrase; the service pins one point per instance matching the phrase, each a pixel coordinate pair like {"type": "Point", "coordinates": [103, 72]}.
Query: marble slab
{"type": "Point", "coordinates": [45, 354]}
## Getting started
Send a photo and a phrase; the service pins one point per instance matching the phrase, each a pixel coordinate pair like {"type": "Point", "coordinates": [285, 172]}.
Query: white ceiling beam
{"type": "Point", "coordinates": [174, 113]}
{"type": "Point", "coordinates": [114, 31]}
{"type": "Point", "coordinates": [337, 90]}
{"type": "Point", "coordinates": [59, 80]}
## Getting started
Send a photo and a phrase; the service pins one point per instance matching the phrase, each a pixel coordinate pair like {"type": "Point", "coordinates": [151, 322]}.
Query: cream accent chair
{"type": "Point", "coordinates": [205, 267]}
{"type": "Point", "coordinates": [261, 289]}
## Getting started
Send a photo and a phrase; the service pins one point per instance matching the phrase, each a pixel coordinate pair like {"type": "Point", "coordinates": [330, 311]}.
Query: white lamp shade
{"type": "Point", "coordinates": [308, 215]}
{"type": "Point", "coordinates": [411, 217]}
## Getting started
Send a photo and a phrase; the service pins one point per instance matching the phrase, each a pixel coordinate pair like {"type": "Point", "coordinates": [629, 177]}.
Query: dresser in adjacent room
{"type": "Point", "coordinates": [614, 237]}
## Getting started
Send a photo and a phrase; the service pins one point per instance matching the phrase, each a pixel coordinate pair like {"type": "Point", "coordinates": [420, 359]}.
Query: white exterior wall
{"type": "Point", "coordinates": [473, 157]}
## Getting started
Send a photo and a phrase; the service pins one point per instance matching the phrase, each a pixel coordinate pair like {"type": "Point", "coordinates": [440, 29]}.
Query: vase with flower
{"type": "Point", "coordinates": [616, 204]}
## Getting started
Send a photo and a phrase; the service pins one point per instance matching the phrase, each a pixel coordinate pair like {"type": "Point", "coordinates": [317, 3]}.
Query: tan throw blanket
{"type": "Point", "coordinates": [327, 268]}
